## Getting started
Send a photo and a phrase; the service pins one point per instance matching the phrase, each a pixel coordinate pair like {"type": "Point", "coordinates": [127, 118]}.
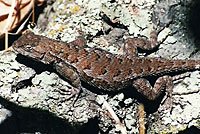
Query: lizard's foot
{"type": "Point", "coordinates": [167, 103]}
{"type": "Point", "coordinates": [74, 94]}
{"type": "Point", "coordinates": [70, 74]}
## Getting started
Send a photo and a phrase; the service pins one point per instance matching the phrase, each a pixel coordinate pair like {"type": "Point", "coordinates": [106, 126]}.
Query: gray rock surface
{"type": "Point", "coordinates": [106, 25]}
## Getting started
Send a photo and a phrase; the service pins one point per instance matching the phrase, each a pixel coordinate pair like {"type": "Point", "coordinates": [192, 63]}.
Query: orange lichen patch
{"type": "Point", "coordinates": [74, 9]}
{"type": "Point", "coordinates": [62, 27]}
{"type": "Point", "coordinates": [51, 32]}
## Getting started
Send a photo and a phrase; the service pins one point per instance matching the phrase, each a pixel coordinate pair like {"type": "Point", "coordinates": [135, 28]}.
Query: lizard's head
{"type": "Point", "coordinates": [30, 45]}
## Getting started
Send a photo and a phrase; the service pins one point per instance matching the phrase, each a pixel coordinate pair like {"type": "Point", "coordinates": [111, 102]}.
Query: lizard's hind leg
{"type": "Point", "coordinates": [162, 83]}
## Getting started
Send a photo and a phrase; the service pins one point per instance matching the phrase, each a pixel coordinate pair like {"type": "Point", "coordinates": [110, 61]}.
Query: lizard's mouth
{"type": "Point", "coordinates": [18, 49]}
{"type": "Point", "coordinates": [16, 46]}
{"type": "Point", "coordinates": [33, 54]}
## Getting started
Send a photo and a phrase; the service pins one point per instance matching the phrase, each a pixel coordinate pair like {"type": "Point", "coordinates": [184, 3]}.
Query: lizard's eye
{"type": "Point", "coordinates": [28, 48]}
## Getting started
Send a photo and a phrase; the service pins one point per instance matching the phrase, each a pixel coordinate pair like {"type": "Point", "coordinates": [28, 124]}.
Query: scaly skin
{"type": "Point", "coordinates": [99, 68]}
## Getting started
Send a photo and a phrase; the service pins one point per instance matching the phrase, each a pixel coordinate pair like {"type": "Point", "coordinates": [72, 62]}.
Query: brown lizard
{"type": "Point", "coordinates": [110, 72]}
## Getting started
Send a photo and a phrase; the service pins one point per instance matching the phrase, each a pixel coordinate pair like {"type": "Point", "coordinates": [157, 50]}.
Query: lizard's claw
{"type": "Point", "coordinates": [73, 94]}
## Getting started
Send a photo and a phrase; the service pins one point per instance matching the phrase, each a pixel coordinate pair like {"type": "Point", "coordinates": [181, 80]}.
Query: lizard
{"type": "Point", "coordinates": [103, 70]}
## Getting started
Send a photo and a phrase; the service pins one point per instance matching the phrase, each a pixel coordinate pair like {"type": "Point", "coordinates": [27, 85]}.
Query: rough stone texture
{"type": "Point", "coordinates": [105, 23]}
{"type": "Point", "coordinates": [45, 91]}
{"type": "Point", "coordinates": [4, 114]}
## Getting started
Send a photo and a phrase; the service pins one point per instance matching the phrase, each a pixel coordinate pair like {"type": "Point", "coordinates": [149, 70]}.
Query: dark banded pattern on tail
{"type": "Point", "coordinates": [158, 66]}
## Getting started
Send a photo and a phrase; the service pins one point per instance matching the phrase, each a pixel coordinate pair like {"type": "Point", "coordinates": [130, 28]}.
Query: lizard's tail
{"type": "Point", "coordinates": [159, 66]}
{"type": "Point", "coordinates": [184, 65]}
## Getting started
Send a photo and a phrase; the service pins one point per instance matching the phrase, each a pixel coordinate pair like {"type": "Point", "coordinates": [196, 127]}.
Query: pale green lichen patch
{"type": "Point", "coordinates": [106, 24]}
{"type": "Point", "coordinates": [46, 91]}
{"type": "Point", "coordinates": [185, 111]}
{"type": "Point", "coordinates": [89, 17]}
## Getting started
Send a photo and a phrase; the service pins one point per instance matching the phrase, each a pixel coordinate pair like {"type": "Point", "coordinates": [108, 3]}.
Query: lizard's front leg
{"type": "Point", "coordinates": [70, 74]}
{"type": "Point", "coordinates": [131, 45]}
{"type": "Point", "coordinates": [79, 42]}
{"type": "Point", "coordinates": [162, 83]}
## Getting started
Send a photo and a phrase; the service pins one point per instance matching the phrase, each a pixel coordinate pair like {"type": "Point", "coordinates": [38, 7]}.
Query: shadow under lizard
{"type": "Point", "coordinates": [77, 62]}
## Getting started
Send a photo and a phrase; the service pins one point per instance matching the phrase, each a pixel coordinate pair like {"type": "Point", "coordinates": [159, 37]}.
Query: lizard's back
{"type": "Point", "coordinates": [95, 66]}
